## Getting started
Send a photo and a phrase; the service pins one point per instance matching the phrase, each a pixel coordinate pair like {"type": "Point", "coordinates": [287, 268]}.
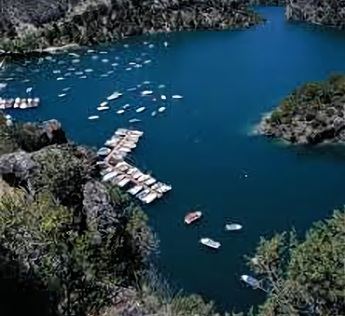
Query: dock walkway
{"type": "Point", "coordinates": [119, 172]}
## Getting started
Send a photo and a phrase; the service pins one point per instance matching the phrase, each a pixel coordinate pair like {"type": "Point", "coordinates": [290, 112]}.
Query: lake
{"type": "Point", "coordinates": [202, 144]}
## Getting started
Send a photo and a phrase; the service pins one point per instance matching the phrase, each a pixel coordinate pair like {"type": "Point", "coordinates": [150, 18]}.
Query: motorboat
{"type": "Point", "coordinates": [210, 243]}
{"type": "Point", "coordinates": [114, 96]}
{"type": "Point", "coordinates": [233, 227]}
{"type": "Point", "coordinates": [104, 151]}
{"type": "Point", "coordinates": [192, 217]}
{"type": "Point", "coordinates": [254, 283]}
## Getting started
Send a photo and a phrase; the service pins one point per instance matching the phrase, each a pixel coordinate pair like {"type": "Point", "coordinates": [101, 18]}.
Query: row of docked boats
{"type": "Point", "coordinates": [120, 173]}
{"type": "Point", "coordinates": [19, 103]}
{"type": "Point", "coordinates": [196, 215]}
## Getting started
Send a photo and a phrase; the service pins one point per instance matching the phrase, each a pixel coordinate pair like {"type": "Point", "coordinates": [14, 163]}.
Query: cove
{"type": "Point", "coordinates": [201, 144]}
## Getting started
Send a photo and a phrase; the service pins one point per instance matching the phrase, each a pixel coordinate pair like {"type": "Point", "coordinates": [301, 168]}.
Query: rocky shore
{"type": "Point", "coordinates": [312, 114]}
{"type": "Point", "coordinates": [32, 25]}
{"type": "Point", "coordinates": [320, 12]}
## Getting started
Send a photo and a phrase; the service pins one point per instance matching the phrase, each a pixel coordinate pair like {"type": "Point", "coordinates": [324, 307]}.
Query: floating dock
{"type": "Point", "coordinates": [118, 172]}
{"type": "Point", "coordinates": [19, 103]}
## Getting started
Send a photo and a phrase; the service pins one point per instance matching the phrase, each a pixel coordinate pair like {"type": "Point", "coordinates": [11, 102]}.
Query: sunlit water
{"type": "Point", "coordinates": [201, 144]}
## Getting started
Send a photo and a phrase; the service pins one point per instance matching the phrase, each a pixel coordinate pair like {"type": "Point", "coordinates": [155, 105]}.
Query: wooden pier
{"type": "Point", "coordinates": [118, 172]}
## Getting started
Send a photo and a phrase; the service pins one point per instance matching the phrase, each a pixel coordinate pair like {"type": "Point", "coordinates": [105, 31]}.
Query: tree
{"type": "Point", "coordinates": [304, 277]}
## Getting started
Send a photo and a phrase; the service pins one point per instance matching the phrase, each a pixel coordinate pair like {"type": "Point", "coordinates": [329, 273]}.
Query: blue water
{"type": "Point", "coordinates": [201, 144]}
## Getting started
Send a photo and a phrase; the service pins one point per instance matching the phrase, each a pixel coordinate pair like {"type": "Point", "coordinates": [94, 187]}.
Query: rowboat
{"type": "Point", "coordinates": [192, 217]}
{"type": "Point", "coordinates": [210, 243]}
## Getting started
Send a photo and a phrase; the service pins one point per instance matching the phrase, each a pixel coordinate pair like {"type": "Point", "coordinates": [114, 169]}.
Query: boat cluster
{"type": "Point", "coordinates": [19, 103]}
{"type": "Point", "coordinates": [118, 172]}
{"type": "Point", "coordinates": [196, 215]}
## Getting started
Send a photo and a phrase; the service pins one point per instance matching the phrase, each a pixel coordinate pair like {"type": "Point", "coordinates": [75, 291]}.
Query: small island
{"type": "Point", "coordinates": [312, 114]}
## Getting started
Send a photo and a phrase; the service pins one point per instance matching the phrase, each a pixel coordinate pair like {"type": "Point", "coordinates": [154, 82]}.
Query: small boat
{"type": "Point", "coordinates": [109, 176]}
{"type": "Point", "coordinates": [210, 243]}
{"type": "Point", "coordinates": [233, 227]}
{"type": "Point", "coordinates": [163, 97]}
{"type": "Point", "coordinates": [93, 117]}
{"type": "Point", "coordinates": [28, 90]}
{"type": "Point", "coordinates": [146, 92]}
{"type": "Point", "coordinates": [162, 109]}
{"type": "Point", "coordinates": [147, 61]}
{"type": "Point", "coordinates": [166, 44]}
{"type": "Point", "coordinates": [104, 151]}
{"type": "Point", "coordinates": [135, 190]}
{"type": "Point", "coordinates": [104, 103]}
{"type": "Point", "coordinates": [61, 95]}
{"type": "Point", "coordinates": [254, 283]}
{"type": "Point", "coordinates": [192, 217]}
{"type": "Point", "coordinates": [154, 113]}
{"type": "Point", "coordinates": [126, 106]}
{"type": "Point", "coordinates": [177, 96]}
{"type": "Point", "coordinates": [103, 108]}
{"type": "Point", "coordinates": [134, 120]}
{"type": "Point", "coordinates": [120, 111]}
{"type": "Point", "coordinates": [161, 86]}
{"type": "Point", "coordinates": [150, 198]}
{"type": "Point", "coordinates": [141, 109]}
{"type": "Point", "coordinates": [114, 96]}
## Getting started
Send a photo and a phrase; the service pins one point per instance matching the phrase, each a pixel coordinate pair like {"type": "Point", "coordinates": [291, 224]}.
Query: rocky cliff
{"type": "Point", "coordinates": [321, 12]}
{"type": "Point", "coordinates": [29, 24]}
{"type": "Point", "coordinates": [312, 114]}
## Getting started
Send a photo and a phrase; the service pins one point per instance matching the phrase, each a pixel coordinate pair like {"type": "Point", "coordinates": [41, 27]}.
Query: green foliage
{"type": "Point", "coordinates": [304, 277]}
{"type": "Point", "coordinates": [62, 173]}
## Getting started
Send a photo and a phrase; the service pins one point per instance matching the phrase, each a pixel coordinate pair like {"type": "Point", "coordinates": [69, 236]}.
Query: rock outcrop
{"type": "Point", "coordinates": [321, 12]}
{"type": "Point", "coordinates": [313, 114]}
{"type": "Point", "coordinates": [47, 23]}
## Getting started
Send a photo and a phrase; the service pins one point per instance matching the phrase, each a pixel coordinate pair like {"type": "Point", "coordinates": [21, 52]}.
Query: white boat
{"type": "Point", "coordinates": [161, 86]}
{"type": "Point", "coordinates": [120, 111]}
{"type": "Point", "coordinates": [192, 217]}
{"type": "Point", "coordinates": [134, 120]}
{"type": "Point", "coordinates": [163, 97]}
{"type": "Point", "coordinates": [162, 109]}
{"type": "Point", "coordinates": [110, 175]}
{"type": "Point", "coordinates": [150, 198]}
{"type": "Point", "coordinates": [146, 92]}
{"type": "Point", "coordinates": [114, 96]}
{"type": "Point", "coordinates": [254, 283]}
{"type": "Point", "coordinates": [104, 103]}
{"type": "Point", "coordinates": [93, 117]}
{"type": "Point", "coordinates": [28, 90]}
{"type": "Point", "coordinates": [154, 113]}
{"type": "Point", "coordinates": [141, 109]}
{"type": "Point", "coordinates": [104, 151]}
{"type": "Point", "coordinates": [177, 96]}
{"type": "Point", "coordinates": [210, 243]}
{"type": "Point", "coordinates": [142, 195]}
{"type": "Point", "coordinates": [233, 227]}
{"type": "Point", "coordinates": [126, 106]}
{"type": "Point", "coordinates": [103, 108]}
{"type": "Point", "coordinates": [135, 190]}
{"type": "Point", "coordinates": [150, 181]}
{"type": "Point", "coordinates": [123, 182]}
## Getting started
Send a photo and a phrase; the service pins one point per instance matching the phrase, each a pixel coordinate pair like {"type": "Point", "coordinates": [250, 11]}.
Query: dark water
{"type": "Point", "coordinates": [201, 143]}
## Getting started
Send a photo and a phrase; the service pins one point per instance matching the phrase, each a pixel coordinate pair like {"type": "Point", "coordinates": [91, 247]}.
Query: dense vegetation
{"type": "Point", "coordinates": [320, 12]}
{"type": "Point", "coordinates": [89, 22]}
{"type": "Point", "coordinates": [304, 277]}
{"type": "Point", "coordinates": [311, 114]}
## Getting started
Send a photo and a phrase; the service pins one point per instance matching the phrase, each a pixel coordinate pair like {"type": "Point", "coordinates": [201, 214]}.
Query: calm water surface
{"type": "Point", "coordinates": [201, 144]}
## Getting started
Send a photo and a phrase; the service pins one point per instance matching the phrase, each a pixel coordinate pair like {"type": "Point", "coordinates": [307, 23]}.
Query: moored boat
{"type": "Point", "coordinates": [210, 243]}
{"type": "Point", "coordinates": [192, 217]}
{"type": "Point", "coordinates": [254, 283]}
